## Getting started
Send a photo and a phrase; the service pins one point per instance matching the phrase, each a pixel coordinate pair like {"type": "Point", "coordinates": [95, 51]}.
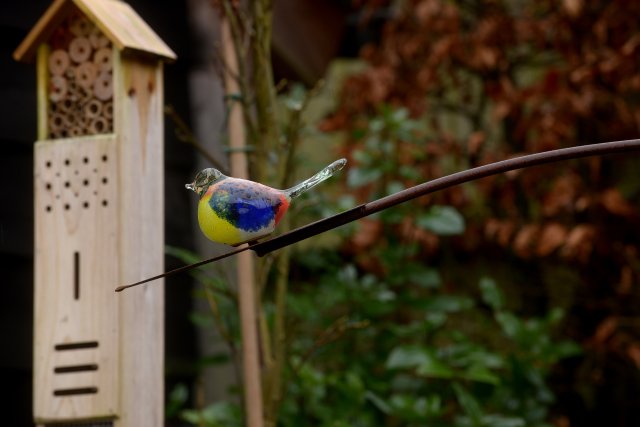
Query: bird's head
{"type": "Point", "coordinates": [204, 179]}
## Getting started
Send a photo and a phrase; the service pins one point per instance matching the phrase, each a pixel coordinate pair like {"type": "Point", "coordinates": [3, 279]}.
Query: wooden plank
{"type": "Point", "coordinates": [120, 23]}
{"type": "Point", "coordinates": [40, 32]}
{"type": "Point", "coordinates": [124, 27]}
{"type": "Point", "coordinates": [140, 128]}
{"type": "Point", "coordinates": [42, 75]}
{"type": "Point", "coordinates": [76, 265]}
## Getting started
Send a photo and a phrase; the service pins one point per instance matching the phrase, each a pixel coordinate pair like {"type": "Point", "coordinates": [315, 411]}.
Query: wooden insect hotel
{"type": "Point", "coordinates": [99, 215]}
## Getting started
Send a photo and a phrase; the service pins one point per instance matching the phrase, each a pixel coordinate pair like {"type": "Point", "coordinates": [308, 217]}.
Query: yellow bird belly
{"type": "Point", "coordinates": [214, 227]}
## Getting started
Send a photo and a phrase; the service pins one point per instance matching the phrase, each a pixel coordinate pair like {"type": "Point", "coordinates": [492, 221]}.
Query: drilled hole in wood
{"type": "Point", "coordinates": [48, 208]}
{"type": "Point", "coordinates": [67, 184]}
{"type": "Point", "coordinates": [47, 186]}
{"type": "Point", "coordinates": [75, 391]}
{"type": "Point", "coordinates": [85, 182]}
{"type": "Point", "coordinates": [76, 275]}
{"type": "Point", "coordinates": [67, 206]}
{"type": "Point", "coordinates": [105, 179]}
{"type": "Point", "coordinates": [85, 205]}
{"type": "Point", "coordinates": [85, 160]}
{"type": "Point", "coordinates": [76, 345]}
{"type": "Point", "coordinates": [104, 158]}
{"type": "Point", "coordinates": [75, 368]}
{"type": "Point", "coordinates": [67, 162]}
{"type": "Point", "coordinates": [48, 164]}
{"type": "Point", "coordinates": [105, 203]}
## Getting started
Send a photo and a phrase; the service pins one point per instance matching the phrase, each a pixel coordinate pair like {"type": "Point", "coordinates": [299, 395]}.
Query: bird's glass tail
{"type": "Point", "coordinates": [316, 179]}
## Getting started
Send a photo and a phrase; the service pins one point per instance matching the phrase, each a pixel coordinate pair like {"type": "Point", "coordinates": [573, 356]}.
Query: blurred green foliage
{"type": "Point", "coordinates": [388, 341]}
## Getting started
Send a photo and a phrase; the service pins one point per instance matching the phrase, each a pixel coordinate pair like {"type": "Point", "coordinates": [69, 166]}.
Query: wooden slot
{"type": "Point", "coordinates": [75, 391]}
{"type": "Point", "coordinates": [75, 368]}
{"type": "Point", "coordinates": [76, 275]}
{"type": "Point", "coordinates": [76, 345]}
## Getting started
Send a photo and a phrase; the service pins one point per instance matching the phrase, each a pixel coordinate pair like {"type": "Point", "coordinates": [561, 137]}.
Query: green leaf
{"type": "Point", "coordinates": [425, 277]}
{"type": "Point", "coordinates": [407, 357]}
{"type": "Point", "coordinates": [378, 402]}
{"type": "Point", "coordinates": [435, 368]}
{"type": "Point", "coordinates": [469, 405]}
{"type": "Point", "coordinates": [176, 400]}
{"type": "Point", "coordinates": [491, 294]}
{"type": "Point", "coordinates": [442, 220]}
{"type": "Point", "coordinates": [359, 177]}
{"type": "Point", "coordinates": [481, 374]}
{"type": "Point", "coordinates": [447, 303]}
{"type": "Point", "coordinates": [509, 323]}
{"type": "Point", "coordinates": [201, 319]}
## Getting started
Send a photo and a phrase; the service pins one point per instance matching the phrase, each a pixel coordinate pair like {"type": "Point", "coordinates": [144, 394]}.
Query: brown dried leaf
{"type": "Point", "coordinates": [561, 198]}
{"type": "Point", "coordinates": [572, 7]}
{"type": "Point", "coordinates": [367, 235]}
{"type": "Point", "coordinates": [552, 237]}
{"type": "Point", "coordinates": [613, 202]}
{"type": "Point", "coordinates": [633, 351]}
{"type": "Point", "coordinates": [605, 331]}
{"type": "Point", "coordinates": [626, 281]}
{"type": "Point", "coordinates": [579, 244]}
{"type": "Point", "coordinates": [525, 240]}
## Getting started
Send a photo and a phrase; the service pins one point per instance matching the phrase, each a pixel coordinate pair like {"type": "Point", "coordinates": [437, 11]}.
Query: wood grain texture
{"type": "Point", "coordinates": [42, 76]}
{"type": "Point", "coordinates": [139, 122]}
{"type": "Point", "coordinates": [75, 200]}
{"type": "Point", "coordinates": [116, 19]}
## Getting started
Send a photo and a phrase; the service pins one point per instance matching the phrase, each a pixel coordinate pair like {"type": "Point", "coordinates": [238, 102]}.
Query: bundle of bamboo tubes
{"type": "Point", "coordinates": [80, 80]}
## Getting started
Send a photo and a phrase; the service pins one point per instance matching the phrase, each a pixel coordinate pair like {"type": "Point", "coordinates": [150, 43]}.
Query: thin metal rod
{"type": "Point", "coordinates": [361, 211]}
{"type": "Point", "coordinates": [184, 268]}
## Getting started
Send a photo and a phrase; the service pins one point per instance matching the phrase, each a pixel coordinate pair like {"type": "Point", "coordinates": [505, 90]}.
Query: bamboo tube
{"type": "Point", "coordinates": [80, 26]}
{"type": "Point", "coordinates": [103, 86]}
{"type": "Point", "coordinates": [80, 49]}
{"type": "Point", "coordinates": [97, 39]}
{"type": "Point", "coordinates": [76, 130]}
{"type": "Point", "coordinates": [57, 88]}
{"type": "Point", "coordinates": [86, 74]}
{"type": "Point", "coordinates": [56, 122]}
{"type": "Point", "coordinates": [103, 58]}
{"type": "Point", "coordinates": [107, 110]}
{"type": "Point", "coordinates": [58, 62]}
{"type": "Point", "coordinates": [93, 108]}
{"type": "Point", "coordinates": [70, 119]}
{"type": "Point", "coordinates": [98, 125]}
{"type": "Point", "coordinates": [65, 106]}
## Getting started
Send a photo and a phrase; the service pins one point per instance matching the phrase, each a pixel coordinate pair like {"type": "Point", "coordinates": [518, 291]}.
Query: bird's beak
{"type": "Point", "coordinates": [191, 186]}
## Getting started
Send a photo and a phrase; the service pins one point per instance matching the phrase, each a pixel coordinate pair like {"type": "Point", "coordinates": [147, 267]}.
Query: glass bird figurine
{"type": "Point", "coordinates": [235, 211]}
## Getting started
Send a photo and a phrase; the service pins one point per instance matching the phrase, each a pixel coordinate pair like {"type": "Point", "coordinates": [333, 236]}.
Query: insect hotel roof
{"type": "Point", "coordinates": [116, 19]}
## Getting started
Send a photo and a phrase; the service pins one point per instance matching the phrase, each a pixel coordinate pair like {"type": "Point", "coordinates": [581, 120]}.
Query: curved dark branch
{"type": "Point", "coordinates": [361, 211]}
